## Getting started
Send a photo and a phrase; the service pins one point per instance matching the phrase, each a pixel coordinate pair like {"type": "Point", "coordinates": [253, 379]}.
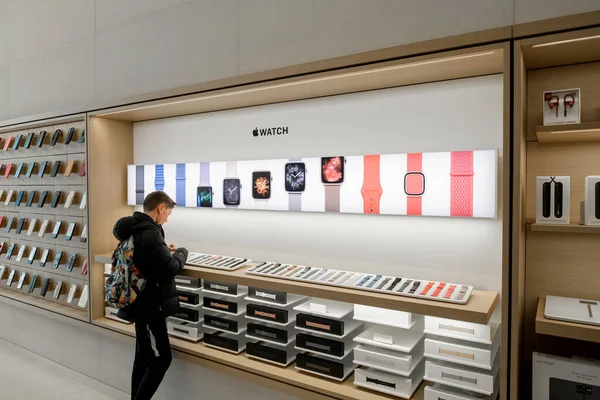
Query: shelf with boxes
{"type": "Point", "coordinates": [43, 216]}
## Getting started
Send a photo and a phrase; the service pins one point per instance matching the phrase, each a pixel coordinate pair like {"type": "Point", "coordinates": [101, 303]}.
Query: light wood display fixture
{"type": "Point", "coordinates": [112, 129]}
{"type": "Point", "coordinates": [560, 260]}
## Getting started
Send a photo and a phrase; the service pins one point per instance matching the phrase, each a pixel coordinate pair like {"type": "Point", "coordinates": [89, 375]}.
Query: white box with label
{"type": "Point", "coordinates": [592, 200]}
{"type": "Point", "coordinates": [441, 392]}
{"type": "Point", "coordinates": [390, 361]}
{"type": "Point", "coordinates": [384, 316]}
{"type": "Point", "coordinates": [462, 377]}
{"type": "Point", "coordinates": [559, 378]}
{"type": "Point", "coordinates": [562, 107]}
{"type": "Point", "coordinates": [470, 331]}
{"type": "Point", "coordinates": [388, 383]}
{"type": "Point", "coordinates": [552, 200]}
{"type": "Point", "coordinates": [462, 352]}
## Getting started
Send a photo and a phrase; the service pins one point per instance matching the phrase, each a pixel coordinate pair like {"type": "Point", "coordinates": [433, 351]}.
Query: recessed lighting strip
{"type": "Point", "coordinates": [565, 41]}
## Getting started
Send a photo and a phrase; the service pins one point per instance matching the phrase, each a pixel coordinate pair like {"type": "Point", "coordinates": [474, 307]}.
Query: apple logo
{"type": "Point", "coordinates": [255, 132]}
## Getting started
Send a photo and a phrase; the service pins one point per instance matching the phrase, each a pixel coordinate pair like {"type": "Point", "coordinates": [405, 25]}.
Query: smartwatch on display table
{"type": "Point", "coordinates": [232, 186]}
{"type": "Point", "coordinates": [332, 176]}
{"type": "Point", "coordinates": [159, 177]}
{"type": "Point", "coordinates": [205, 193]}
{"type": "Point", "coordinates": [295, 183]}
{"type": "Point", "coordinates": [461, 184]}
{"type": "Point", "coordinates": [139, 184]}
{"type": "Point", "coordinates": [180, 184]}
{"type": "Point", "coordinates": [371, 190]}
{"type": "Point", "coordinates": [414, 184]}
{"type": "Point", "coordinates": [261, 189]}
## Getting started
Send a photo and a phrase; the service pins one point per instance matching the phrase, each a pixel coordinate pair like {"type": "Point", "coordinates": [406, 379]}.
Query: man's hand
{"type": "Point", "coordinates": [172, 247]}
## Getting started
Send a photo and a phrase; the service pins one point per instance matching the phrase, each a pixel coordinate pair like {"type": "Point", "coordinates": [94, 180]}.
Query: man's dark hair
{"type": "Point", "coordinates": [157, 198]}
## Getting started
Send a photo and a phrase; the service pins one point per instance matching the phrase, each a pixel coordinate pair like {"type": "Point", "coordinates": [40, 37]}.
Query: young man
{"type": "Point", "coordinates": [158, 264]}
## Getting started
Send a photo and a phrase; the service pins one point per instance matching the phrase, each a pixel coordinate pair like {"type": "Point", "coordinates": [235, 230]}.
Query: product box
{"type": "Point", "coordinates": [592, 200]}
{"type": "Point", "coordinates": [552, 200]}
{"type": "Point", "coordinates": [399, 319]}
{"type": "Point", "coordinates": [461, 330]}
{"type": "Point", "coordinates": [392, 384]}
{"type": "Point", "coordinates": [558, 378]}
{"type": "Point", "coordinates": [562, 107]}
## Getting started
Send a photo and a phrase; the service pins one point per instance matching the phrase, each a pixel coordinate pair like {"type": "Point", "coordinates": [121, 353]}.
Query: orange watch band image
{"type": "Point", "coordinates": [371, 190]}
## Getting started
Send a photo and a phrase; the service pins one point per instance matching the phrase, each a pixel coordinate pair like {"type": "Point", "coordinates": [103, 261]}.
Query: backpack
{"type": "Point", "coordinates": [125, 281]}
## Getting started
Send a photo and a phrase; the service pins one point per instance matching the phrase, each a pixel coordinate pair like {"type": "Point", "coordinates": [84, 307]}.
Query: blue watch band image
{"type": "Point", "coordinates": [159, 177]}
{"type": "Point", "coordinates": [139, 184]}
{"type": "Point", "coordinates": [180, 184]}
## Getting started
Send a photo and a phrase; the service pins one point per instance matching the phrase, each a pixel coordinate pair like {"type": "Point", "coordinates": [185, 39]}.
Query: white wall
{"type": "Point", "coordinates": [397, 120]}
{"type": "Point", "coordinates": [56, 54]}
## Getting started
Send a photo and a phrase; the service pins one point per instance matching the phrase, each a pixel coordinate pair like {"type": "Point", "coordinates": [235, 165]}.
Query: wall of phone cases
{"type": "Point", "coordinates": [447, 184]}
{"type": "Point", "coordinates": [43, 216]}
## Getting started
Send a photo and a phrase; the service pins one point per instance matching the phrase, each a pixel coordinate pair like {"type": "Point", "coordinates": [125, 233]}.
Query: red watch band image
{"type": "Point", "coordinates": [8, 142]}
{"type": "Point", "coordinates": [449, 291]}
{"type": "Point", "coordinates": [371, 190]}
{"type": "Point", "coordinates": [427, 288]}
{"type": "Point", "coordinates": [439, 288]}
{"type": "Point", "coordinates": [461, 184]}
{"type": "Point", "coordinates": [414, 184]}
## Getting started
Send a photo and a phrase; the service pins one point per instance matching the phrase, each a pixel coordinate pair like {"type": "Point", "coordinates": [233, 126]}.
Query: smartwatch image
{"type": "Point", "coordinates": [180, 184]}
{"type": "Point", "coordinates": [69, 137]}
{"type": "Point", "coordinates": [204, 194]}
{"type": "Point", "coordinates": [139, 184]}
{"type": "Point", "coordinates": [232, 186]}
{"type": "Point", "coordinates": [29, 140]}
{"type": "Point", "coordinates": [261, 189]}
{"type": "Point", "coordinates": [332, 176]}
{"type": "Point", "coordinates": [17, 142]}
{"type": "Point", "coordinates": [57, 134]}
{"type": "Point", "coordinates": [371, 190]}
{"type": "Point", "coordinates": [414, 184]}
{"type": "Point", "coordinates": [295, 183]}
{"type": "Point", "coordinates": [461, 184]}
{"type": "Point", "coordinates": [159, 177]}
{"type": "Point", "coordinates": [41, 138]}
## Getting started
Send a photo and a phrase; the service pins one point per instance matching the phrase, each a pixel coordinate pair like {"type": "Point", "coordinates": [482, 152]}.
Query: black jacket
{"type": "Point", "coordinates": [152, 258]}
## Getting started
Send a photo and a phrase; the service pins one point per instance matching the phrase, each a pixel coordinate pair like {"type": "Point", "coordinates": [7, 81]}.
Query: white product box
{"type": "Point", "coordinates": [461, 330]}
{"type": "Point", "coordinates": [462, 352]}
{"type": "Point", "coordinates": [394, 362]}
{"type": "Point", "coordinates": [552, 199]}
{"type": "Point", "coordinates": [186, 330]}
{"type": "Point", "coordinates": [558, 378]}
{"type": "Point", "coordinates": [387, 337]}
{"type": "Point", "coordinates": [384, 316]}
{"type": "Point", "coordinates": [592, 200]}
{"type": "Point", "coordinates": [326, 308]}
{"type": "Point", "coordinates": [111, 313]}
{"type": "Point", "coordinates": [467, 378]}
{"type": "Point", "coordinates": [388, 383]}
{"type": "Point", "coordinates": [573, 310]}
{"type": "Point", "coordinates": [438, 391]}
{"type": "Point", "coordinates": [562, 107]}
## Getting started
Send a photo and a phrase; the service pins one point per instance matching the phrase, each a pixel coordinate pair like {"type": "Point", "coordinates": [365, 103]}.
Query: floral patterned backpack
{"type": "Point", "coordinates": [125, 281]}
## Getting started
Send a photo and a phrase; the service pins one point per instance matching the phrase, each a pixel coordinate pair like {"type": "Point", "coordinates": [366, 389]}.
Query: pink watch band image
{"type": "Point", "coordinates": [461, 184]}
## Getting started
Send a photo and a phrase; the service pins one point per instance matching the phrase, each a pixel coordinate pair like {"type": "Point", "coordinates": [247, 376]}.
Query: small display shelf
{"type": "Point", "coordinates": [571, 228]}
{"type": "Point", "coordinates": [584, 132]}
{"type": "Point", "coordinates": [571, 330]}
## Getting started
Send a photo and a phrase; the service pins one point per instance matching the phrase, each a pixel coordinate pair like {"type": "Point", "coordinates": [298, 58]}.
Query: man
{"type": "Point", "coordinates": [158, 264]}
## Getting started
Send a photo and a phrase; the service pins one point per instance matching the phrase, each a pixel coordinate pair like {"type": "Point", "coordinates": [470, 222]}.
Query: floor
{"type": "Point", "coordinates": [25, 375]}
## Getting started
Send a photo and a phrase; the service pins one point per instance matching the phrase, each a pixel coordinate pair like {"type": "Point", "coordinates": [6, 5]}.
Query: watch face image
{"type": "Point", "coordinates": [205, 196]}
{"type": "Point", "coordinates": [261, 184]}
{"type": "Point", "coordinates": [414, 184]}
{"type": "Point", "coordinates": [295, 177]}
{"type": "Point", "coordinates": [332, 169]}
{"type": "Point", "coordinates": [231, 191]}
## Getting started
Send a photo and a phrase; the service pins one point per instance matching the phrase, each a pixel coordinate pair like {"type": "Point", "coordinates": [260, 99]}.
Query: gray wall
{"type": "Point", "coordinates": [57, 54]}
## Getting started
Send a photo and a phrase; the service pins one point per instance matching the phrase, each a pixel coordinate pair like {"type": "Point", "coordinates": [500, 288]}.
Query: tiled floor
{"type": "Point", "coordinates": [25, 375]}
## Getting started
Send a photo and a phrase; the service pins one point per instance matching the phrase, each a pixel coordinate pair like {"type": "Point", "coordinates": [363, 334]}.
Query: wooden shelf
{"type": "Point", "coordinates": [571, 330]}
{"type": "Point", "coordinates": [289, 375]}
{"type": "Point", "coordinates": [585, 132]}
{"type": "Point", "coordinates": [67, 311]}
{"type": "Point", "coordinates": [571, 228]}
{"type": "Point", "coordinates": [479, 308]}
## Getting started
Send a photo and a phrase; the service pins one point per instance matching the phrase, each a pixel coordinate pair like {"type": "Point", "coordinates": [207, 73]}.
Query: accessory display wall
{"type": "Point", "coordinates": [43, 216]}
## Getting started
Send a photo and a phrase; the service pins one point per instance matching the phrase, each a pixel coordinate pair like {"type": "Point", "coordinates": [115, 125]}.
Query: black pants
{"type": "Point", "coordinates": [149, 368]}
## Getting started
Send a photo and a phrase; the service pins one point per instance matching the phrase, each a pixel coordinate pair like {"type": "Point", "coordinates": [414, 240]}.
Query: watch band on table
{"type": "Point", "coordinates": [159, 177]}
{"type": "Point", "coordinates": [139, 184]}
{"type": "Point", "coordinates": [461, 184]}
{"type": "Point", "coordinates": [414, 184]}
{"type": "Point", "coordinates": [180, 184]}
{"type": "Point", "coordinates": [371, 190]}
{"type": "Point", "coordinates": [295, 198]}
{"type": "Point", "coordinates": [332, 198]}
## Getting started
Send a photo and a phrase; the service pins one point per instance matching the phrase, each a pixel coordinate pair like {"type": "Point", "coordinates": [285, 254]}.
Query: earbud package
{"type": "Point", "coordinates": [592, 200]}
{"type": "Point", "coordinates": [552, 199]}
{"type": "Point", "coordinates": [562, 107]}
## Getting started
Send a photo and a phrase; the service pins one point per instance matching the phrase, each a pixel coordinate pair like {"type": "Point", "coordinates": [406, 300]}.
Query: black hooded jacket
{"type": "Point", "coordinates": [152, 258]}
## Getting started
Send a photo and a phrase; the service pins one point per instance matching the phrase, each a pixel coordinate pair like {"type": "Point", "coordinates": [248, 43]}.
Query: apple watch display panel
{"type": "Point", "coordinates": [32, 254]}
{"type": "Point", "coordinates": [17, 142]}
{"type": "Point", "coordinates": [546, 200]}
{"type": "Point", "coordinates": [30, 169]}
{"type": "Point", "coordinates": [69, 137]}
{"type": "Point", "coordinates": [43, 199]}
{"type": "Point", "coordinates": [261, 184]}
{"type": "Point", "coordinates": [295, 177]}
{"type": "Point", "coordinates": [57, 134]}
{"type": "Point", "coordinates": [41, 138]}
{"type": "Point", "coordinates": [19, 198]}
{"type": "Point", "coordinates": [205, 196]}
{"type": "Point", "coordinates": [56, 229]}
{"type": "Point", "coordinates": [29, 140]}
{"type": "Point", "coordinates": [31, 198]}
{"type": "Point", "coordinates": [57, 260]}
{"type": "Point", "coordinates": [71, 262]}
{"type": "Point", "coordinates": [55, 168]}
{"type": "Point", "coordinates": [56, 198]}
{"type": "Point", "coordinates": [231, 191]}
{"type": "Point", "coordinates": [332, 169]}
{"type": "Point", "coordinates": [43, 166]}
{"type": "Point", "coordinates": [19, 169]}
